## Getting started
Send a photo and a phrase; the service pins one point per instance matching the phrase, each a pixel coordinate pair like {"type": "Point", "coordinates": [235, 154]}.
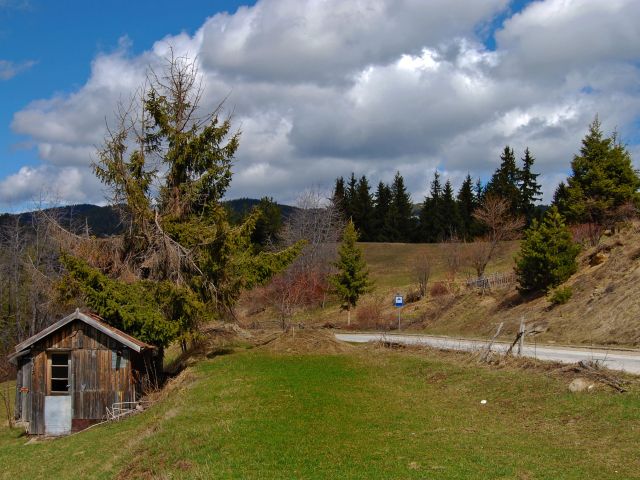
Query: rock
{"type": "Point", "coordinates": [581, 385]}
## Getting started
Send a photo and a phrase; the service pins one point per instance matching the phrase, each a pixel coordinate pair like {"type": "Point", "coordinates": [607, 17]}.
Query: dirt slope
{"type": "Point", "coordinates": [604, 308]}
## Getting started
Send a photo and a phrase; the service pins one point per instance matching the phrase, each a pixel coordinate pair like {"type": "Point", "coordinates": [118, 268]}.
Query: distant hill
{"type": "Point", "coordinates": [241, 206]}
{"type": "Point", "coordinates": [105, 221]}
{"type": "Point", "coordinates": [101, 221]}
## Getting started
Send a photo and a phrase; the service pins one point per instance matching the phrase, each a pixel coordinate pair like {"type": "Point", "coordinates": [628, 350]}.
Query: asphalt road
{"type": "Point", "coordinates": [628, 361]}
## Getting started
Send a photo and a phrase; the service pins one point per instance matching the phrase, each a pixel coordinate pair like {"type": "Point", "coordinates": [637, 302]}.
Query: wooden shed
{"type": "Point", "coordinates": [72, 371]}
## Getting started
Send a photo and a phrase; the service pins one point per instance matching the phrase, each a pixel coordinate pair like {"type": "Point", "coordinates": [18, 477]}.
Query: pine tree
{"type": "Point", "coordinates": [350, 196]}
{"type": "Point", "coordinates": [432, 228]}
{"type": "Point", "coordinates": [382, 219]}
{"type": "Point", "coordinates": [479, 191]}
{"type": "Point", "coordinates": [450, 213]}
{"type": "Point", "coordinates": [402, 211]}
{"type": "Point", "coordinates": [352, 279]}
{"type": "Point", "coordinates": [529, 188]}
{"type": "Point", "coordinates": [602, 179]}
{"type": "Point", "coordinates": [547, 254]}
{"type": "Point", "coordinates": [268, 224]}
{"type": "Point", "coordinates": [466, 205]}
{"type": "Point", "coordinates": [180, 256]}
{"type": "Point", "coordinates": [504, 182]}
{"type": "Point", "coordinates": [339, 194]}
{"type": "Point", "coordinates": [362, 209]}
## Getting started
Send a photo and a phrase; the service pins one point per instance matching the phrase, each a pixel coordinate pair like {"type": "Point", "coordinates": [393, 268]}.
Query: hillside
{"type": "Point", "coordinates": [604, 308]}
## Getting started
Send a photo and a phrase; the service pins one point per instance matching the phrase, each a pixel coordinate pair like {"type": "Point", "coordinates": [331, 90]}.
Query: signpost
{"type": "Point", "coordinates": [399, 302]}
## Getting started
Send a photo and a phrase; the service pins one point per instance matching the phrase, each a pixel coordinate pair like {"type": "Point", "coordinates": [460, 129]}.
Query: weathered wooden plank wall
{"type": "Point", "coordinates": [94, 382]}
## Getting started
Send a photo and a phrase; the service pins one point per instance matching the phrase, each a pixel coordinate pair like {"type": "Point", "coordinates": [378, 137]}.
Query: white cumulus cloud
{"type": "Point", "coordinates": [323, 88]}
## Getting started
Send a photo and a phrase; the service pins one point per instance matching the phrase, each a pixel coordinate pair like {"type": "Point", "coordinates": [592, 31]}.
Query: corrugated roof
{"type": "Point", "coordinates": [90, 319]}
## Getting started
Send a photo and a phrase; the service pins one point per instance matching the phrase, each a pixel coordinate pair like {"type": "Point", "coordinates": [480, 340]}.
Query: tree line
{"type": "Point", "coordinates": [388, 214]}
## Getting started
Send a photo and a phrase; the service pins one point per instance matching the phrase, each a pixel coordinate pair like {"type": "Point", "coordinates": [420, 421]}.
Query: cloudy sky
{"type": "Point", "coordinates": [320, 88]}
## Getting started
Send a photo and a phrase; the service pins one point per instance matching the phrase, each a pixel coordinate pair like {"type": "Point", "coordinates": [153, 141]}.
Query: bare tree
{"type": "Point", "coordinates": [453, 253]}
{"type": "Point", "coordinates": [306, 281]}
{"type": "Point", "coordinates": [422, 272]}
{"type": "Point", "coordinates": [494, 214]}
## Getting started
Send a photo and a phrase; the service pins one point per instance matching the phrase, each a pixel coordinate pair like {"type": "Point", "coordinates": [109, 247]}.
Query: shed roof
{"type": "Point", "coordinates": [90, 319]}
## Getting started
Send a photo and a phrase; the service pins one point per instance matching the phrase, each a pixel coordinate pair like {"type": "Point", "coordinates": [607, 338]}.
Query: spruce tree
{"type": "Point", "coordinates": [352, 279]}
{"type": "Point", "coordinates": [466, 205]}
{"type": "Point", "coordinates": [382, 219]}
{"type": "Point", "coordinates": [268, 224]}
{"type": "Point", "coordinates": [350, 195]}
{"type": "Point", "coordinates": [529, 188]}
{"type": "Point", "coordinates": [339, 194]}
{"type": "Point", "coordinates": [450, 213]}
{"type": "Point", "coordinates": [479, 191]}
{"type": "Point", "coordinates": [402, 211]}
{"type": "Point", "coordinates": [504, 182]}
{"type": "Point", "coordinates": [547, 254]}
{"type": "Point", "coordinates": [180, 258]}
{"type": "Point", "coordinates": [602, 179]}
{"type": "Point", "coordinates": [431, 221]}
{"type": "Point", "coordinates": [362, 209]}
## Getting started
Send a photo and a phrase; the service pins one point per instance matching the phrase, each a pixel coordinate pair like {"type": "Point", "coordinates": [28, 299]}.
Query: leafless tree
{"type": "Point", "coordinates": [306, 281]}
{"type": "Point", "coordinates": [494, 214]}
{"type": "Point", "coordinates": [422, 272]}
{"type": "Point", "coordinates": [453, 253]}
{"type": "Point", "coordinates": [6, 392]}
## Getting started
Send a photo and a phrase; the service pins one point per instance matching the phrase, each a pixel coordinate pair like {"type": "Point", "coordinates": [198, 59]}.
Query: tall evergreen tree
{"type": "Point", "coordinates": [339, 194]}
{"type": "Point", "coordinates": [602, 179]}
{"type": "Point", "coordinates": [466, 205]}
{"type": "Point", "coordinates": [362, 210]}
{"type": "Point", "coordinates": [402, 210]}
{"type": "Point", "coordinates": [352, 279]}
{"type": "Point", "coordinates": [530, 189]}
{"type": "Point", "coordinates": [180, 258]}
{"type": "Point", "coordinates": [450, 213]}
{"type": "Point", "coordinates": [504, 182]}
{"type": "Point", "coordinates": [350, 195]}
{"type": "Point", "coordinates": [478, 191]}
{"type": "Point", "coordinates": [382, 219]}
{"type": "Point", "coordinates": [432, 223]}
{"type": "Point", "coordinates": [268, 224]}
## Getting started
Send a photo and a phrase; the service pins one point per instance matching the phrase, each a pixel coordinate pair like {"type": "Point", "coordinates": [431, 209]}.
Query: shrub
{"type": "Point", "coordinates": [561, 295]}
{"type": "Point", "coordinates": [438, 289]}
{"type": "Point", "coordinates": [588, 234]}
{"type": "Point", "coordinates": [547, 254]}
{"type": "Point", "coordinates": [413, 296]}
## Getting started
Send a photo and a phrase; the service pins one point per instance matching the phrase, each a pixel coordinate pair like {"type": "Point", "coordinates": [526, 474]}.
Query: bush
{"type": "Point", "coordinates": [438, 289]}
{"type": "Point", "coordinates": [547, 256]}
{"type": "Point", "coordinates": [413, 296]}
{"type": "Point", "coordinates": [370, 316]}
{"type": "Point", "coordinates": [561, 295]}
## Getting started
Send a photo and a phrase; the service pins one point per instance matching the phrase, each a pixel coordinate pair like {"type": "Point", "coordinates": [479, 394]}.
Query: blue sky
{"type": "Point", "coordinates": [62, 38]}
{"type": "Point", "coordinates": [321, 89]}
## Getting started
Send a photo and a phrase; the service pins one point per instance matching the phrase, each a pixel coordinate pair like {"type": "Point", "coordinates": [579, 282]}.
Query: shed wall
{"type": "Point", "coordinates": [94, 382]}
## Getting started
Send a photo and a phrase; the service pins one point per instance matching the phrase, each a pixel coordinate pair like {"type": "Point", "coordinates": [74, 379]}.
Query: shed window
{"type": "Point", "coordinates": [118, 359]}
{"type": "Point", "coordinates": [59, 375]}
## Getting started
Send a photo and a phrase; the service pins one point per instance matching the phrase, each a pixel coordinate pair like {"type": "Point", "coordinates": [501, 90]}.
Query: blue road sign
{"type": "Point", "coordinates": [398, 302]}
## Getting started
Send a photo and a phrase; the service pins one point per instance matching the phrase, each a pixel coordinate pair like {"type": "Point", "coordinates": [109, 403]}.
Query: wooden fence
{"type": "Point", "coordinates": [493, 281]}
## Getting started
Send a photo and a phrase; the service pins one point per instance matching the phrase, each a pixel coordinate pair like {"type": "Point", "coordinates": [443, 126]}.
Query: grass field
{"type": "Point", "coordinates": [371, 413]}
{"type": "Point", "coordinates": [391, 264]}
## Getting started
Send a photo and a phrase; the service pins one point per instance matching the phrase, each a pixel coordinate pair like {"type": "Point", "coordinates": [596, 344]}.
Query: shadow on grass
{"type": "Point", "coordinates": [218, 352]}
{"type": "Point", "coordinates": [516, 298]}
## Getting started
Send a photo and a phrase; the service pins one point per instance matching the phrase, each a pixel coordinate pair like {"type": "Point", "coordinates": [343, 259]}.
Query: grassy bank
{"type": "Point", "coordinates": [366, 414]}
